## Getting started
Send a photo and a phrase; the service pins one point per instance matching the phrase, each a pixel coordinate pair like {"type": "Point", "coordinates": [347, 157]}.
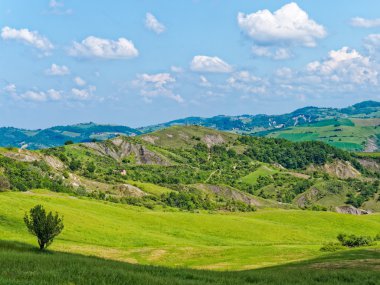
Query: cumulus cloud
{"type": "Point", "coordinates": [365, 23]}
{"type": "Point", "coordinates": [176, 69]}
{"type": "Point", "coordinates": [202, 63]}
{"type": "Point", "coordinates": [93, 47]}
{"type": "Point", "coordinates": [41, 96]}
{"type": "Point", "coordinates": [246, 82]}
{"type": "Point", "coordinates": [25, 36]}
{"type": "Point", "coordinates": [84, 93]}
{"type": "Point", "coordinates": [372, 43]}
{"type": "Point", "coordinates": [10, 88]}
{"type": "Point", "coordinates": [346, 65]}
{"type": "Point", "coordinates": [57, 70]}
{"type": "Point", "coordinates": [153, 24]}
{"type": "Point", "coordinates": [156, 85]}
{"type": "Point", "coordinates": [54, 94]}
{"type": "Point", "coordinates": [284, 72]}
{"type": "Point", "coordinates": [79, 81]}
{"type": "Point", "coordinates": [277, 53]}
{"type": "Point", "coordinates": [288, 25]}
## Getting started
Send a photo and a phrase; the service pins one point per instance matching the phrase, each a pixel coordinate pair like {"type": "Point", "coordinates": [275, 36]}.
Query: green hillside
{"type": "Point", "coordinates": [174, 238]}
{"type": "Point", "coordinates": [352, 134]}
{"type": "Point", "coordinates": [196, 202]}
{"type": "Point", "coordinates": [195, 168]}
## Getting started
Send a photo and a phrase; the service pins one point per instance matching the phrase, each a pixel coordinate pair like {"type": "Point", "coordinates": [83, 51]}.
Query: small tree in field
{"type": "Point", "coordinates": [44, 226]}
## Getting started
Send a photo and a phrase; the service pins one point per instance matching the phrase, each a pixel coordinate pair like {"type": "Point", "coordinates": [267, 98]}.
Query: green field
{"type": "Point", "coordinates": [262, 171]}
{"type": "Point", "coordinates": [351, 135]}
{"type": "Point", "coordinates": [21, 264]}
{"type": "Point", "coordinates": [217, 241]}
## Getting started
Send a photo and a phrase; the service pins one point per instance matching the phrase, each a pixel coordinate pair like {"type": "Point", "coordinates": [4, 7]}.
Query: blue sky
{"type": "Point", "coordinates": [143, 62]}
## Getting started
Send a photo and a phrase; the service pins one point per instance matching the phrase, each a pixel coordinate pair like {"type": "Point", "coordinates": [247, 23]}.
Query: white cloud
{"type": "Point", "coordinates": [284, 72]}
{"type": "Point", "coordinates": [57, 70]}
{"type": "Point", "coordinates": [365, 23]}
{"type": "Point", "coordinates": [288, 25]}
{"type": "Point", "coordinates": [58, 7]}
{"type": "Point", "coordinates": [79, 81]}
{"type": "Point", "coordinates": [246, 82]}
{"type": "Point", "coordinates": [41, 96]}
{"type": "Point", "coordinates": [54, 94]}
{"type": "Point", "coordinates": [10, 88]}
{"type": "Point", "coordinates": [204, 81]}
{"type": "Point", "coordinates": [25, 36]}
{"type": "Point", "coordinates": [55, 4]}
{"type": "Point", "coordinates": [372, 43]}
{"type": "Point", "coordinates": [156, 85]}
{"type": "Point", "coordinates": [104, 48]}
{"type": "Point", "coordinates": [277, 53]}
{"type": "Point", "coordinates": [83, 94]}
{"type": "Point", "coordinates": [346, 65]}
{"type": "Point", "coordinates": [176, 69]}
{"type": "Point", "coordinates": [153, 24]}
{"type": "Point", "coordinates": [202, 63]}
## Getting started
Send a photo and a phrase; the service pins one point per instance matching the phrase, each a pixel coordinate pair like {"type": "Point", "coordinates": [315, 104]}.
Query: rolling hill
{"type": "Point", "coordinates": [55, 136]}
{"type": "Point", "coordinates": [354, 128]}
{"type": "Point", "coordinates": [194, 201]}
{"type": "Point", "coordinates": [192, 167]}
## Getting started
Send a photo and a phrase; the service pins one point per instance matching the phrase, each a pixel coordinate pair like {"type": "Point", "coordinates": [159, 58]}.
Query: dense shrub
{"type": "Point", "coordinates": [293, 155]}
{"type": "Point", "coordinates": [354, 240]}
{"type": "Point", "coordinates": [187, 200]}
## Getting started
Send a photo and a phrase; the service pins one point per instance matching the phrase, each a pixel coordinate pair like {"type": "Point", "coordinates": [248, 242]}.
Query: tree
{"type": "Point", "coordinates": [42, 225]}
{"type": "Point", "coordinates": [69, 142]}
{"type": "Point", "coordinates": [91, 167]}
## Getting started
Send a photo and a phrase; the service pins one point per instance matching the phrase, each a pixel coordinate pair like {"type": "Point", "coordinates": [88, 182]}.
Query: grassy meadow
{"type": "Point", "coordinates": [349, 134]}
{"type": "Point", "coordinates": [171, 238]}
{"type": "Point", "coordinates": [22, 264]}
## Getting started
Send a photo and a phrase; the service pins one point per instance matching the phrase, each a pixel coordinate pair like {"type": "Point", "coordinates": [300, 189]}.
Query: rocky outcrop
{"type": "Point", "coordinates": [229, 193]}
{"type": "Point", "coordinates": [348, 209]}
{"type": "Point", "coordinates": [308, 197]}
{"type": "Point", "coordinates": [54, 162]}
{"type": "Point", "coordinates": [150, 139]}
{"type": "Point", "coordinates": [341, 169]}
{"type": "Point", "coordinates": [22, 155]}
{"type": "Point", "coordinates": [338, 168]}
{"type": "Point", "coordinates": [371, 145]}
{"type": "Point", "coordinates": [369, 163]}
{"type": "Point", "coordinates": [212, 140]}
{"type": "Point", "coordinates": [119, 148]}
{"type": "Point", "coordinates": [127, 190]}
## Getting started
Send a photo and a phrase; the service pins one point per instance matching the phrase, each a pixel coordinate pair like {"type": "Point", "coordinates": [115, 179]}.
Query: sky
{"type": "Point", "coordinates": [143, 62]}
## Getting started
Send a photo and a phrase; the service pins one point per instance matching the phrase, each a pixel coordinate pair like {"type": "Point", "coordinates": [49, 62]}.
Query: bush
{"type": "Point", "coordinates": [331, 247]}
{"type": "Point", "coordinates": [354, 241]}
{"type": "Point", "coordinates": [315, 207]}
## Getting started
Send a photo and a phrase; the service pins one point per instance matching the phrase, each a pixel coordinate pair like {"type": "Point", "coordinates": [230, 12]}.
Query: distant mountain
{"type": "Point", "coordinates": [56, 136]}
{"type": "Point", "coordinates": [258, 123]}
{"type": "Point", "coordinates": [352, 128]}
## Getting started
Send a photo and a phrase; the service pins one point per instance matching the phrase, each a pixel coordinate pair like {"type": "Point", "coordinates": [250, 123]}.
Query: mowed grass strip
{"type": "Point", "coordinates": [172, 238]}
